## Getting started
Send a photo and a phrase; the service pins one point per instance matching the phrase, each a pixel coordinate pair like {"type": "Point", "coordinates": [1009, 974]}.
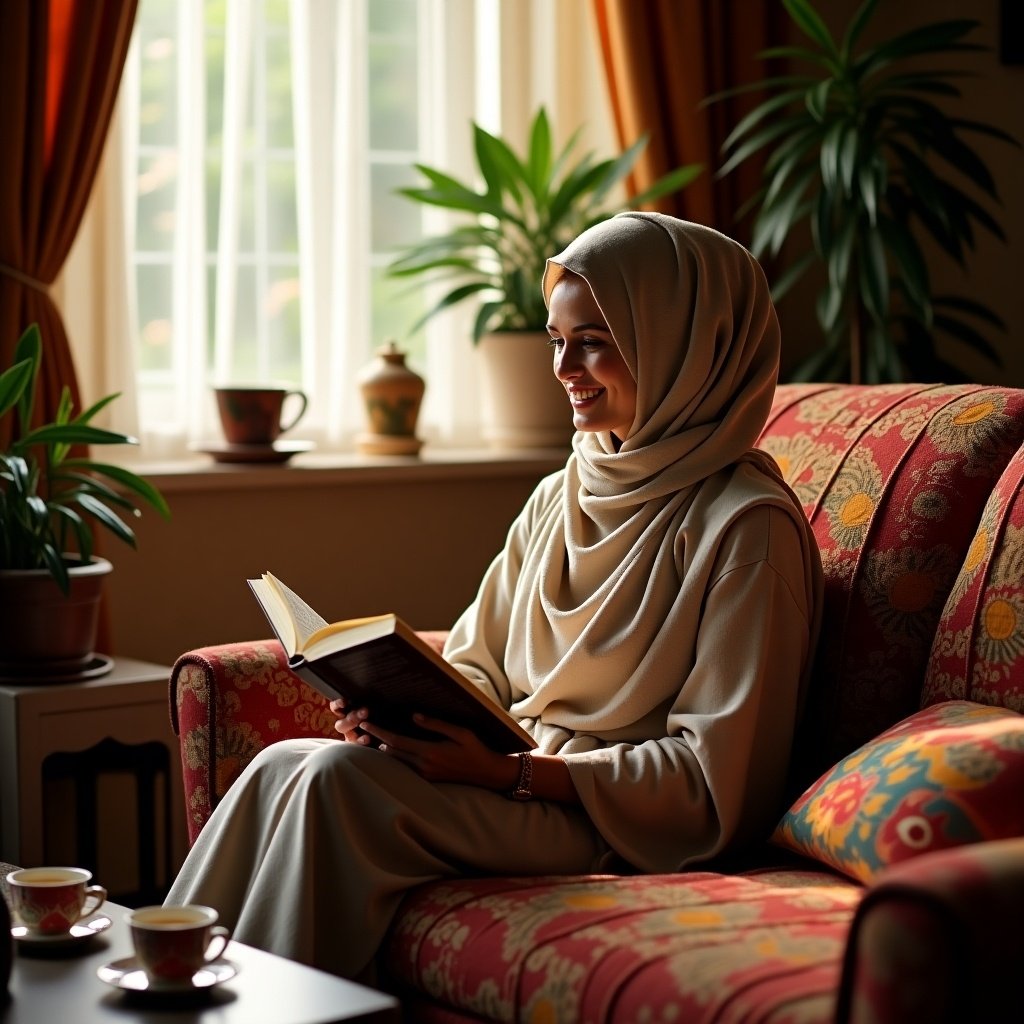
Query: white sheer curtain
{"type": "Point", "coordinates": [537, 52]}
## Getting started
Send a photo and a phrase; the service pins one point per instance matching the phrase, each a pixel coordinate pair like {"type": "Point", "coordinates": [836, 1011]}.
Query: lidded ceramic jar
{"type": "Point", "coordinates": [392, 394]}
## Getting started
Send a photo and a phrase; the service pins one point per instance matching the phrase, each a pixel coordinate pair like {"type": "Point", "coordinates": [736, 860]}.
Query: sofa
{"type": "Point", "coordinates": [892, 888]}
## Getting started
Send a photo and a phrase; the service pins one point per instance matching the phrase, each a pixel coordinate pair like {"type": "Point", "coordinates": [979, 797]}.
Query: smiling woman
{"type": "Point", "coordinates": [605, 627]}
{"type": "Point", "coordinates": [587, 361]}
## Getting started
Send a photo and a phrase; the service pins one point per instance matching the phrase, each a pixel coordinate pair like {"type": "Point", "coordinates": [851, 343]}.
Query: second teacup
{"type": "Point", "coordinates": [51, 901]}
{"type": "Point", "coordinates": [172, 943]}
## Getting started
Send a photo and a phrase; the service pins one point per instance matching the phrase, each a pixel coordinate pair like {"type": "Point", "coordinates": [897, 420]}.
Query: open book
{"type": "Point", "coordinates": [381, 664]}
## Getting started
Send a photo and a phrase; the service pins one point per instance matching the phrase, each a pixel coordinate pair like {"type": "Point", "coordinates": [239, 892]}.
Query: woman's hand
{"type": "Point", "coordinates": [456, 756]}
{"type": "Point", "coordinates": [349, 723]}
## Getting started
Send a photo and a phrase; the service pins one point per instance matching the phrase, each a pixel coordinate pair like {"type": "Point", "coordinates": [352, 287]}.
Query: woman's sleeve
{"type": "Point", "coordinates": [718, 776]}
{"type": "Point", "coordinates": [476, 644]}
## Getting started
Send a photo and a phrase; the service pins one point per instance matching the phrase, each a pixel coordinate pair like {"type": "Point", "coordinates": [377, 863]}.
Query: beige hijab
{"type": "Point", "coordinates": [587, 625]}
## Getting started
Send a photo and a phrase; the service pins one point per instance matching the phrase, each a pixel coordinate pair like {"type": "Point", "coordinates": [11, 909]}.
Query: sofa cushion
{"type": "Point", "coordinates": [894, 479]}
{"type": "Point", "coordinates": [692, 946]}
{"type": "Point", "coordinates": [978, 651]}
{"type": "Point", "coordinates": [949, 775]}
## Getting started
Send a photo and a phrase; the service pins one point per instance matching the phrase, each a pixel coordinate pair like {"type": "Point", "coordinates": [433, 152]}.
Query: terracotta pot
{"type": "Point", "coordinates": [42, 630]}
{"type": "Point", "coordinates": [524, 406]}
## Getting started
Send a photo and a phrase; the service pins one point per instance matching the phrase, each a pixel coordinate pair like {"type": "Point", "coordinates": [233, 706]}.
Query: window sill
{"type": "Point", "coordinates": [313, 469]}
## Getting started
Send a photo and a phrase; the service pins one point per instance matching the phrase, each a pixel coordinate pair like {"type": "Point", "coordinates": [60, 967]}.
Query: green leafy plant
{"type": "Point", "coordinates": [51, 501]}
{"type": "Point", "coordinates": [528, 208]}
{"type": "Point", "coordinates": [862, 151]}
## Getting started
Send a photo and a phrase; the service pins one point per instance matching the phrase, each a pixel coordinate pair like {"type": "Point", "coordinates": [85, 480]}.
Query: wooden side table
{"type": "Point", "coordinates": [127, 706]}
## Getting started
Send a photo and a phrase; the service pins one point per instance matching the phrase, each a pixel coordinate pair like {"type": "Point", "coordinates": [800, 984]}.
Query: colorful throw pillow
{"type": "Point", "coordinates": [946, 776]}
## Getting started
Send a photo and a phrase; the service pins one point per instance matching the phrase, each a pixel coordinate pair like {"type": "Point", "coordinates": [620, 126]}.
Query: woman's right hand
{"type": "Point", "coordinates": [349, 722]}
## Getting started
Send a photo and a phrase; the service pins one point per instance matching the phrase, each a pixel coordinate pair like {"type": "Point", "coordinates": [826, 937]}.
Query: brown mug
{"type": "Point", "coordinates": [253, 415]}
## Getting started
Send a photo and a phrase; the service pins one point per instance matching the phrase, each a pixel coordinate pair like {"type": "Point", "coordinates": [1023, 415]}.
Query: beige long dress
{"type": "Point", "coordinates": [651, 619]}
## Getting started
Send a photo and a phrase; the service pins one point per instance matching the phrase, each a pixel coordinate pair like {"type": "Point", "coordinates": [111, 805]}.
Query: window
{"type": "Point", "coordinates": [262, 142]}
{"type": "Point", "coordinates": [271, 136]}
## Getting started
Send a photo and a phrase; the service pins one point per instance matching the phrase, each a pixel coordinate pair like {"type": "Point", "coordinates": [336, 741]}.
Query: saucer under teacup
{"type": "Point", "coordinates": [277, 452]}
{"type": "Point", "coordinates": [127, 974]}
{"type": "Point", "coordinates": [80, 933]}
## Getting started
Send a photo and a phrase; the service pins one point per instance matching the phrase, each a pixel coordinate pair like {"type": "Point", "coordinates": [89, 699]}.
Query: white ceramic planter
{"type": "Point", "coordinates": [523, 405]}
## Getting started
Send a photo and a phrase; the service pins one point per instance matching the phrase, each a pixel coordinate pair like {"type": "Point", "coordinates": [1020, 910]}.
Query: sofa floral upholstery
{"type": "Point", "coordinates": [914, 493]}
{"type": "Point", "coordinates": [978, 651]}
{"type": "Point", "coordinates": [894, 479]}
{"type": "Point", "coordinates": [671, 947]}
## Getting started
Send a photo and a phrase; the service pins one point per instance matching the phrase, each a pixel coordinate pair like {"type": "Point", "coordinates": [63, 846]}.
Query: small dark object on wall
{"type": "Point", "coordinates": [1011, 32]}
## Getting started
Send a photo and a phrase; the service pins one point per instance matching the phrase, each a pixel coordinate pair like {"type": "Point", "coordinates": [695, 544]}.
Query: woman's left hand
{"type": "Point", "coordinates": [456, 756]}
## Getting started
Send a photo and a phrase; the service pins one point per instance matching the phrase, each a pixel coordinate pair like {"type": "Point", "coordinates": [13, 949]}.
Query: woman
{"type": "Point", "coordinates": [650, 621]}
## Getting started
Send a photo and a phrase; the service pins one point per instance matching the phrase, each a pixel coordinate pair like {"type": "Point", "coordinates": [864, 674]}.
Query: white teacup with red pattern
{"type": "Point", "coordinates": [172, 943]}
{"type": "Point", "coordinates": [51, 901]}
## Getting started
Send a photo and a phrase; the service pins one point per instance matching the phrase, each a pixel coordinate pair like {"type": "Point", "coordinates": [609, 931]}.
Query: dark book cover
{"type": "Point", "coordinates": [393, 679]}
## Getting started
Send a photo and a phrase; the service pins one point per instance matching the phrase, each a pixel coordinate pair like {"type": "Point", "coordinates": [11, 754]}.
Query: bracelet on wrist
{"type": "Point", "coordinates": [523, 789]}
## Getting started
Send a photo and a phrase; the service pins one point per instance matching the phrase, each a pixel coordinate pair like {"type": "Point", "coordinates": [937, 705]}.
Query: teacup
{"type": "Point", "coordinates": [253, 415]}
{"type": "Point", "coordinates": [172, 943]}
{"type": "Point", "coordinates": [51, 901]}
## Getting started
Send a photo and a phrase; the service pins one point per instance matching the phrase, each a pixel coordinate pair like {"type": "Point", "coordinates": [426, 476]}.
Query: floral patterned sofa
{"type": "Point", "coordinates": [892, 889]}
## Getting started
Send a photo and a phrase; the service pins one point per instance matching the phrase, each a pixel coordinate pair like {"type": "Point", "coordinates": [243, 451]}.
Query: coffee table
{"type": "Point", "coordinates": [267, 989]}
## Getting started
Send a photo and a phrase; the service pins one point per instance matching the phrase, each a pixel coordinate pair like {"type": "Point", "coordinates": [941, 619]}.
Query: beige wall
{"type": "Point", "coordinates": [350, 542]}
{"type": "Point", "coordinates": [994, 272]}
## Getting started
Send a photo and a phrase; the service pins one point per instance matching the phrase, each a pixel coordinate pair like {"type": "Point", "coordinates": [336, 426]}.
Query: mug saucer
{"type": "Point", "coordinates": [80, 932]}
{"type": "Point", "coordinates": [280, 451]}
{"type": "Point", "coordinates": [127, 974]}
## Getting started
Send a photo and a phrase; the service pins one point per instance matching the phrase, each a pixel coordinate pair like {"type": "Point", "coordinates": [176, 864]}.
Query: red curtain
{"type": "Point", "coordinates": [662, 58]}
{"type": "Point", "coordinates": [60, 65]}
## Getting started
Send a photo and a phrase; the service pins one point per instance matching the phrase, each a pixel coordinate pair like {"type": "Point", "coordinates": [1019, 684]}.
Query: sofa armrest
{"type": "Point", "coordinates": [938, 938]}
{"type": "Point", "coordinates": [230, 701]}
{"type": "Point", "coordinates": [227, 703]}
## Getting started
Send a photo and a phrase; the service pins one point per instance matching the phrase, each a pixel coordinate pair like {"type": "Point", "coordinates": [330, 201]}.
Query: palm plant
{"type": "Point", "coordinates": [51, 501]}
{"type": "Point", "coordinates": [528, 208]}
{"type": "Point", "coordinates": [862, 152]}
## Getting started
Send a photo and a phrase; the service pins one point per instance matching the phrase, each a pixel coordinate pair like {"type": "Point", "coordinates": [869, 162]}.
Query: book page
{"type": "Point", "coordinates": [275, 612]}
{"type": "Point", "coordinates": [337, 636]}
{"type": "Point", "coordinates": [304, 620]}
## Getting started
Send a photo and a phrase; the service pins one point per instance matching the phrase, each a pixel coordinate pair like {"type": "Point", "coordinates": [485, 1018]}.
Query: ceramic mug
{"type": "Point", "coordinates": [172, 943]}
{"type": "Point", "coordinates": [50, 901]}
{"type": "Point", "coordinates": [253, 415]}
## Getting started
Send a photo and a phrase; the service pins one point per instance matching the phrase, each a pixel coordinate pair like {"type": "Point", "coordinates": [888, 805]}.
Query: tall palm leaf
{"type": "Point", "coordinates": [864, 153]}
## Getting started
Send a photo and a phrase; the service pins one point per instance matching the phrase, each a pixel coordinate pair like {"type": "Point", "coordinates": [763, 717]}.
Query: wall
{"type": "Point", "coordinates": [993, 94]}
{"type": "Point", "coordinates": [352, 539]}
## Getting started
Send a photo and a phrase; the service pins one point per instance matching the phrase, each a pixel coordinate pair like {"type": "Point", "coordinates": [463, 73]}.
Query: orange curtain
{"type": "Point", "coordinates": [662, 58]}
{"type": "Point", "coordinates": [60, 65]}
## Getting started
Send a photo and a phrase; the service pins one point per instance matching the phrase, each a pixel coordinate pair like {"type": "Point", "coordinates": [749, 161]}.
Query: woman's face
{"type": "Point", "coordinates": [587, 361]}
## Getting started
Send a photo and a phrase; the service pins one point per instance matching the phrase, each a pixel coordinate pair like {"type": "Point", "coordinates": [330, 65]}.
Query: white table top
{"type": "Point", "coordinates": [63, 986]}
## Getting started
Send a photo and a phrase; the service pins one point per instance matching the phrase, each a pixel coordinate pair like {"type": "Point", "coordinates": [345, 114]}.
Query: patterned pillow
{"type": "Point", "coordinates": [946, 776]}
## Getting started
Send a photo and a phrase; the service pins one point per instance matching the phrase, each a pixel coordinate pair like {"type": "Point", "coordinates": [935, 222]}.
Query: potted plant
{"type": "Point", "coordinates": [526, 209]}
{"type": "Point", "coordinates": [861, 151]}
{"type": "Point", "coordinates": [51, 502]}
